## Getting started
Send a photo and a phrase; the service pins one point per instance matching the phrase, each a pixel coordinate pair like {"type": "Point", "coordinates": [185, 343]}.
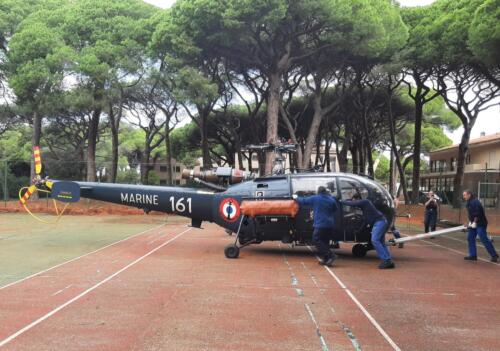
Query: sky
{"type": "Point", "coordinates": [487, 122]}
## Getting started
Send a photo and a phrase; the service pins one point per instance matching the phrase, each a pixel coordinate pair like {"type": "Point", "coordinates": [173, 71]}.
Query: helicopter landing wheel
{"type": "Point", "coordinates": [232, 251]}
{"type": "Point", "coordinates": [359, 250]}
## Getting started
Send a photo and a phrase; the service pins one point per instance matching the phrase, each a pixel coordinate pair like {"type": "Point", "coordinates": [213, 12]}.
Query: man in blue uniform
{"type": "Point", "coordinates": [324, 207]}
{"type": "Point", "coordinates": [431, 211]}
{"type": "Point", "coordinates": [477, 226]}
{"type": "Point", "coordinates": [376, 219]}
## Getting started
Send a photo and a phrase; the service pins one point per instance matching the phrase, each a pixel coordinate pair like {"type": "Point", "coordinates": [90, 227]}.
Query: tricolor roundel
{"type": "Point", "coordinates": [229, 209]}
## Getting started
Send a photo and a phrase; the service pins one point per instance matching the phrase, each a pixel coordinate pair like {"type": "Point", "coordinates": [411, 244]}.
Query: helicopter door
{"type": "Point", "coordinates": [307, 186]}
{"type": "Point", "coordinates": [352, 219]}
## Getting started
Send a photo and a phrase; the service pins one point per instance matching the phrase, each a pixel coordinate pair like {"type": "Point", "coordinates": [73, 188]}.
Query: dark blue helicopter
{"type": "Point", "coordinates": [223, 205]}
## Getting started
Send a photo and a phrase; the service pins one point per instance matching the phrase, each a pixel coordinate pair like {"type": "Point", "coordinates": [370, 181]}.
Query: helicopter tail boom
{"type": "Point", "coordinates": [187, 202]}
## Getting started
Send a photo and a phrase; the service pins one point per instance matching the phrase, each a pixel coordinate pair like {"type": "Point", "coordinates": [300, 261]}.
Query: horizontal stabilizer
{"type": "Point", "coordinates": [66, 191]}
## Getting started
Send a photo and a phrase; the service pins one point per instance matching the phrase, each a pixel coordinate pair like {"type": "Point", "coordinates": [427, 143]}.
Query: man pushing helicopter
{"type": "Point", "coordinates": [324, 208]}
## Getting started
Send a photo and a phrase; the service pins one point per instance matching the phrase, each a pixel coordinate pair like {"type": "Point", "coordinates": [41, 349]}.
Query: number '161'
{"type": "Point", "coordinates": [180, 205]}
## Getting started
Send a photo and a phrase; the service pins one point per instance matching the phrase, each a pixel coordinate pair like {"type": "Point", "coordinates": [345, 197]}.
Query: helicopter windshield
{"type": "Point", "coordinates": [309, 186]}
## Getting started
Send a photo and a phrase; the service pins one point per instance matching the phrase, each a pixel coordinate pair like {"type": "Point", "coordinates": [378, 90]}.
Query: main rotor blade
{"type": "Point", "coordinates": [38, 159]}
{"type": "Point", "coordinates": [27, 194]}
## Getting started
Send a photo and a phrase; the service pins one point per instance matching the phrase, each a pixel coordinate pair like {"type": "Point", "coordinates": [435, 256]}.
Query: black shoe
{"type": "Point", "coordinates": [386, 264]}
{"type": "Point", "coordinates": [470, 258]}
{"type": "Point", "coordinates": [494, 259]}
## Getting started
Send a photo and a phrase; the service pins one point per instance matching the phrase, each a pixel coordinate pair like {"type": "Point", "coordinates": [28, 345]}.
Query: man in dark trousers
{"type": "Point", "coordinates": [378, 222]}
{"type": "Point", "coordinates": [477, 226]}
{"type": "Point", "coordinates": [431, 208]}
{"type": "Point", "coordinates": [324, 205]}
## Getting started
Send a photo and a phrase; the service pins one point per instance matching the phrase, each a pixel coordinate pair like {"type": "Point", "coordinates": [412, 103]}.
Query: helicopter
{"type": "Point", "coordinates": [225, 206]}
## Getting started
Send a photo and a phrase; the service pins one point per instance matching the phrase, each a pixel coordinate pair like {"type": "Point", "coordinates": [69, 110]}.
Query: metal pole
{"type": "Point", "coordinates": [5, 195]}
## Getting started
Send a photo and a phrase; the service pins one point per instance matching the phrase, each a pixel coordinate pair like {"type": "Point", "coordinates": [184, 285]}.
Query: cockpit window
{"type": "Point", "coordinates": [309, 186]}
{"type": "Point", "coordinates": [349, 187]}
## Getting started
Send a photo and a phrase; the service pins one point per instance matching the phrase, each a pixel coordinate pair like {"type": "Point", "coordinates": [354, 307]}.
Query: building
{"type": "Point", "coordinates": [161, 169]}
{"type": "Point", "coordinates": [482, 165]}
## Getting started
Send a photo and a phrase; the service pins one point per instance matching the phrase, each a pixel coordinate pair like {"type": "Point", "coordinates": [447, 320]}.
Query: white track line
{"type": "Point", "coordinates": [54, 311]}
{"type": "Point", "coordinates": [456, 251]}
{"type": "Point", "coordinates": [362, 308]}
{"type": "Point", "coordinates": [365, 312]}
{"type": "Point", "coordinates": [460, 252]}
{"type": "Point", "coordinates": [77, 258]}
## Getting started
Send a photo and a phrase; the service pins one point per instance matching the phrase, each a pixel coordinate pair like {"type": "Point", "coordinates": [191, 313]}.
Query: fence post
{"type": "Point", "coordinates": [5, 194]}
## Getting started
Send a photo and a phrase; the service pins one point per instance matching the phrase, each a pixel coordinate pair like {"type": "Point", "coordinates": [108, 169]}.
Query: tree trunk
{"type": "Point", "coordinates": [273, 106]}
{"type": "Point", "coordinates": [463, 147]}
{"type": "Point", "coordinates": [391, 174]}
{"type": "Point", "coordinates": [417, 149]}
{"type": "Point", "coordinates": [369, 156]}
{"type": "Point", "coordinates": [328, 144]}
{"type": "Point", "coordinates": [145, 164]}
{"type": "Point", "coordinates": [207, 162]}
{"type": "Point", "coordinates": [92, 144]}
{"type": "Point", "coordinates": [168, 149]}
{"type": "Point", "coordinates": [114, 122]}
{"type": "Point", "coordinates": [313, 129]}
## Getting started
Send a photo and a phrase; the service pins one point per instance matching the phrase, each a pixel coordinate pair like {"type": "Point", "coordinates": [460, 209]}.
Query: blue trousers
{"type": "Point", "coordinates": [378, 239]}
{"type": "Point", "coordinates": [430, 220]}
{"type": "Point", "coordinates": [471, 238]}
{"type": "Point", "coordinates": [321, 239]}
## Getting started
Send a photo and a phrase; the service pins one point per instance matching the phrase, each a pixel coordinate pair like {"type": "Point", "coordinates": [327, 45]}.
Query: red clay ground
{"type": "Point", "coordinates": [173, 289]}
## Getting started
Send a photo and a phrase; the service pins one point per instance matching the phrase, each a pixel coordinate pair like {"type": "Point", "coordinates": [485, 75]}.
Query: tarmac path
{"type": "Point", "coordinates": [171, 288]}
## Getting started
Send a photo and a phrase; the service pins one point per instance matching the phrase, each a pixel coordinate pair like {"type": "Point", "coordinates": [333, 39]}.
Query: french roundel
{"type": "Point", "coordinates": [229, 209]}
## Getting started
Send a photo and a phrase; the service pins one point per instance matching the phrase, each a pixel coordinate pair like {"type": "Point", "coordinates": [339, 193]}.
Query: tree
{"type": "Point", "coordinates": [465, 83]}
{"type": "Point", "coordinates": [484, 34]}
{"type": "Point", "coordinates": [268, 36]}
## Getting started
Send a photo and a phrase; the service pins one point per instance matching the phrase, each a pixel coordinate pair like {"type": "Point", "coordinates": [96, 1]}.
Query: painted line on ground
{"type": "Point", "coordinates": [300, 293]}
{"type": "Point", "coordinates": [79, 257]}
{"type": "Point", "coordinates": [76, 298]}
{"type": "Point", "coordinates": [347, 330]}
{"type": "Point", "coordinates": [456, 251]}
{"type": "Point", "coordinates": [362, 308]}
{"type": "Point", "coordinates": [460, 252]}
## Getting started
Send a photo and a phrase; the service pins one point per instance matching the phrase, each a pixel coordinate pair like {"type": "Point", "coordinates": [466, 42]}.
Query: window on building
{"type": "Point", "coordinates": [163, 168]}
{"type": "Point", "coordinates": [177, 182]}
{"type": "Point", "coordinates": [467, 158]}
{"type": "Point", "coordinates": [453, 164]}
{"type": "Point", "coordinates": [177, 169]}
{"type": "Point", "coordinates": [163, 182]}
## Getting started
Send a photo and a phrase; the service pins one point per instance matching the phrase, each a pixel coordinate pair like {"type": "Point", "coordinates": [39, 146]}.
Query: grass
{"type": "Point", "coordinates": [27, 246]}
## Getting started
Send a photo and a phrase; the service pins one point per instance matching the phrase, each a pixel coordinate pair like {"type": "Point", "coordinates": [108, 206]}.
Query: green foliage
{"type": "Point", "coordinates": [484, 33]}
{"type": "Point", "coordinates": [383, 168]}
{"type": "Point", "coordinates": [153, 178]}
{"type": "Point", "coordinates": [185, 144]}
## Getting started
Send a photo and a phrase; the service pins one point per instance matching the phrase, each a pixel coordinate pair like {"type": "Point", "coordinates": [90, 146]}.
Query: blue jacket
{"type": "Point", "coordinates": [324, 206]}
{"type": "Point", "coordinates": [370, 213]}
{"type": "Point", "coordinates": [476, 212]}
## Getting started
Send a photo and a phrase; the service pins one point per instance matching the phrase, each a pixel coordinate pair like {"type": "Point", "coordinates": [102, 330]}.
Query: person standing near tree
{"type": "Point", "coordinates": [431, 208]}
